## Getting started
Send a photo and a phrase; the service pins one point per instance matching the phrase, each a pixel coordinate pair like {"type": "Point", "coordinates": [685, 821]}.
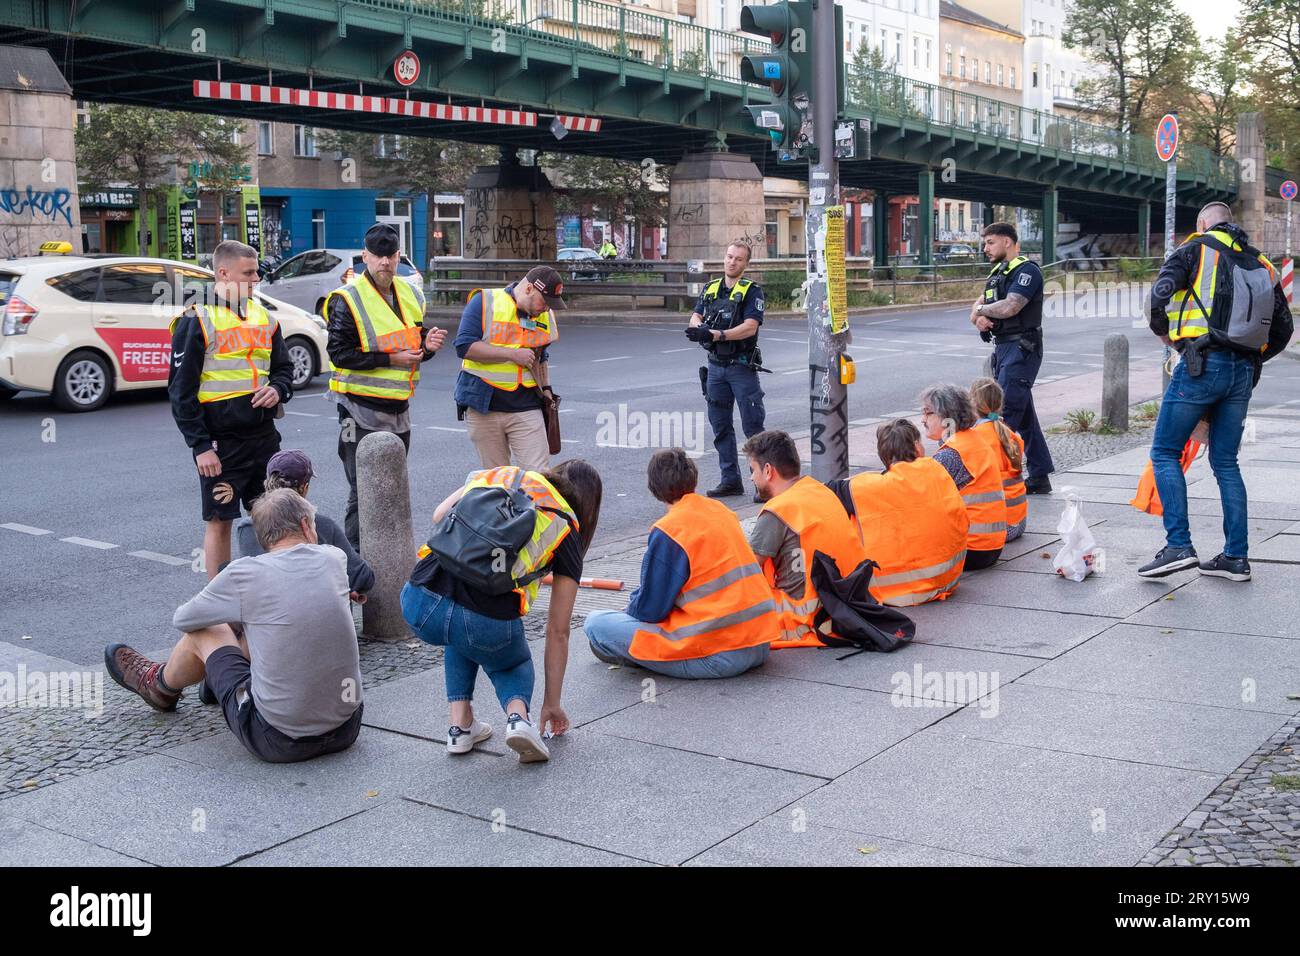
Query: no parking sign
{"type": "Point", "coordinates": [1167, 137]}
{"type": "Point", "coordinates": [1288, 190]}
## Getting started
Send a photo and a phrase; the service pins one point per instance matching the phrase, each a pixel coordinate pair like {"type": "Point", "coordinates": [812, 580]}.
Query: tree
{"type": "Point", "coordinates": [624, 191]}
{"type": "Point", "coordinates": [1145, 49]}
{"type": "Point", "coordinates": [873, 81]}
{"type": "Point", "coordinates": [1270, 41]}
{"type": "Point", "coordinates": [142, 146]}
{"type": "Point", "coordinates": [413, 165]}
{"type": "Point", "coordinates": [1212, 107]}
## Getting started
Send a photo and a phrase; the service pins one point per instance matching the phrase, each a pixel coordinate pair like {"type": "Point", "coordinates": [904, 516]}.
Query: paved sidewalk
{"type": "Point", "coordinates": [1035, 721]}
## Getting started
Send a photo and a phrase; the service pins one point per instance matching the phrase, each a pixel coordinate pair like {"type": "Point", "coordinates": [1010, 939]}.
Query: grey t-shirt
{"type": "Point", "coordinates": [373, 420]}
{"type": "Point", "coordinates": [773, 538]}
{"type": "Point", "coordinates": [293, 603]}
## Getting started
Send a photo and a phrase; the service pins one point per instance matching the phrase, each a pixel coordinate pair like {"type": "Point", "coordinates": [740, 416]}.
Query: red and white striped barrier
{"type": "Point", "coordinates": [1287, 266]}
{"type": "Point", "coordinates": [357, 103]}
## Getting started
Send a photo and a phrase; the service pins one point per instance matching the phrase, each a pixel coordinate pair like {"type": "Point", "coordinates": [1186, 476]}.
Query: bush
{"type": "Point", "coordinates": [1135, 268]}
{"type": "Point", "coordinates": [868, 298]}
{"type": "Point", "coordinates": [1081, 420]}
{"type": "Point", "coordinates": [779, 286]}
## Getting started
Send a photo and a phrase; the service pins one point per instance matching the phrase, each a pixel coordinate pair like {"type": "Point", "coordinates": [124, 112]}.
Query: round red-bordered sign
{"type": "Point", "coordinates": [406, 68]}
{"type": "Point", "coordinates": [1287, 190]}
{"type": "Point", "coordinates": [1167, 137]}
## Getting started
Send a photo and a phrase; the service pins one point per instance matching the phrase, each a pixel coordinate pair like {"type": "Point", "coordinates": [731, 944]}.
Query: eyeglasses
{"type": "Point", "coordinates": [926, 413]}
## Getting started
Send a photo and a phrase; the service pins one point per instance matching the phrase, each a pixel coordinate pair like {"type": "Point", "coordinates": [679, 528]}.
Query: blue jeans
{"type": "Point", "coordinates": [1015, 369]}
{"type": "Point", "coordinates": [470, 641]}
{"type": "Point", "coordinates": [728, 386]}
{"type": "Point", "coordinates": [1221, 393]}
{"type": "Point", "coordinates": [610, 634]}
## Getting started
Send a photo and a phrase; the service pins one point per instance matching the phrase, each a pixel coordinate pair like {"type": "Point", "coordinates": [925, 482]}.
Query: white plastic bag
{"type": "Point", "coordinates": [1078, 554]}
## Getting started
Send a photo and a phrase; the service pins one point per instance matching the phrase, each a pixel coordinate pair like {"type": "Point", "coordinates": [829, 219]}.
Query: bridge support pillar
{"type": "Point", "coordinates": [1144, 229]}
{"type": "Point", "coordinates": [925, 216]}
{"type": "Point", "coordinates": [1049, 225]}
{"type": "Point", "coordinates": [715, 198]}
{"type": "Point", "coordinates": [509, 212]}
{"type": "Point", "coordinates": [1249, 211]}
{"type": "Point", "coordinates": [880, 227]}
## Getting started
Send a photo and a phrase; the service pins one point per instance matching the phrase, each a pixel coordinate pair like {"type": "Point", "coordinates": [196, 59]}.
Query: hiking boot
{"type": "Point", "coordinates": [726, 491]}
{"type": "Point", "coordinates": [522, 737]}
{"type": "Point", "coordinates": [1038, 486]}
{"type": "Point", "coordinates": [462, 740]}
{"type": "Point", "coordinates": [1234, 569]}
{"type": "Point", "coordinates": [139, 675]}
{"type": "Point", "coordinates": [1167, 561]}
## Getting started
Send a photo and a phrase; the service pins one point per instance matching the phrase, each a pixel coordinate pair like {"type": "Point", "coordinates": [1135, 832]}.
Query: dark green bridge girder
{"type": "Point", "coordinates": [148, 52]}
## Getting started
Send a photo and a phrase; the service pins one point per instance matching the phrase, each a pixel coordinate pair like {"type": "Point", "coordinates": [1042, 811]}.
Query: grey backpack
{"type": "Point", "coordinates": [1249, 316]}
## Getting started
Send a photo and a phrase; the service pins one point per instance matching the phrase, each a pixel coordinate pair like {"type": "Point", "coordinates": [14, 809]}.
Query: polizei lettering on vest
{"type": "Point", "coordinates": [73, 909]}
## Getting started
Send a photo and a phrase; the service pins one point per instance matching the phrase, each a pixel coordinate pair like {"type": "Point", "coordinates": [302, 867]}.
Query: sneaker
{"type": "Point", "coordinates": [139, 675]}
{"type": "Point", "coordinates": [1234, 569]}
{"type": "Point", "coordinates": [522, 737]}
{"type": "Point", "coordinates": [205, 693]}
{"type": "Point", "coordinates": [1038, 486]}
{"type": "Point", "coordinates": [462, 741]}
{"type": "Point", "coordinates": [1168, 561]}
{"type": "Point", "coordinates": [726, 491]}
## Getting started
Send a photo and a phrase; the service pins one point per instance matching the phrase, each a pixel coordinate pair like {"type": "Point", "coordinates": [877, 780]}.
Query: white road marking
{"type": "Point", "coordinates": [444, 428]}
{"type": "Point", "coordinates": [772, 338]}
{"type": "Point", "coordinates": [794, 371]}
{"type": "Point", "coordinates": [571, 441]}
{"type": "Point", "coordinates": [612, 358]}
{"type": "Point", "coordinates": [160, 558]}
{"type": "Point", "coordinates": [670, 351]}
{"type": "Point", "coordinates": [302, 414]}
{"type": "Point", "coordinates": [24, 528]}
{"type": "Point", "coordinates": [882, 322]}
{"type": "Point", "coordinates": [567, 411]}
{"type": "Point", "coordinates": [89, 543]}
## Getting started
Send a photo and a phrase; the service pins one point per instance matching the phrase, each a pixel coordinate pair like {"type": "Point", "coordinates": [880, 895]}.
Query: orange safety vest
{"type": "Point", "coordinates": [913, 524]}
{"type": "Point", "coordinates": [985, 502]}
{"type": "Point", "coordinates": [1013, 482]}
{"type": "Point", "coordinates": [1147, 497]}
{"type": "Point", "coordinates": [814, 513]}
{"type": "Point", "coordinates": [725, 604]}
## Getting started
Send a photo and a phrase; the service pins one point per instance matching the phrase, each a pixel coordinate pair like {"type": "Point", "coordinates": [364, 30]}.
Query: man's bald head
{"type": "Point", "coordinates": [1211, 215]}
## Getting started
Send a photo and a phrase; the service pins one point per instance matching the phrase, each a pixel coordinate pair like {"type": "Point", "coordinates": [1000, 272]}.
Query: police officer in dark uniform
{"type": "Point", "coordinates": [1010, 314]}
{"type": "Point", "coordinates": [726, 319]}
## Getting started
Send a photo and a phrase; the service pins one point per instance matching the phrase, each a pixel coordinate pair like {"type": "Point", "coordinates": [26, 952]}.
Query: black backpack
{"type": "Point", "coordinates": [858, 619]}
{"type": "Point", "coordinates": [1242, 314]}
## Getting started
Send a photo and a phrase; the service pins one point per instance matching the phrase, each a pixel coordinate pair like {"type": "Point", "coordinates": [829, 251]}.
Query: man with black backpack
{"type": "Point", "coordinates": [1218, 301]}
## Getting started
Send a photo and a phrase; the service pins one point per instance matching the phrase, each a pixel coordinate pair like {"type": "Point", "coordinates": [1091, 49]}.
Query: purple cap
{"type": "Point", "coordinates": [292, 465]}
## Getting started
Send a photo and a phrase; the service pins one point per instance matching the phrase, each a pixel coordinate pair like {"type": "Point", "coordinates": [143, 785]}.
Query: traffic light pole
{"type": "Point", "coordinates": [828, 396]}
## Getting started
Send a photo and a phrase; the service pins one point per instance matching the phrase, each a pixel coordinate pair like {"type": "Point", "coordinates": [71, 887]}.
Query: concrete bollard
{"type": "Point", "coordinates": [387, 544]}
{"type": "Point", "coordinates": [1114, 383]}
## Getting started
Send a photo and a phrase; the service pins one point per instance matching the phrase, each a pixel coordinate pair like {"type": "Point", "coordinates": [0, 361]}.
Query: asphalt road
{"type": "Point", "coordinates": [117, 491]}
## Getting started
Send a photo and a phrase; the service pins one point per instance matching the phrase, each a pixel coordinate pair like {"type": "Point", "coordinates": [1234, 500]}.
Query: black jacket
{"type": "Point", "coordinates": [201, 422]}
{"type": "Point", "coordinates": [344, 349]}
{"type": "Point", "coordinates": [1178, 272]}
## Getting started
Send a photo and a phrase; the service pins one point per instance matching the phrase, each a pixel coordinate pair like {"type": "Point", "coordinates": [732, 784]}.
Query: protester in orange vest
{"type": "Point", "coordinates": [1008, 447]}
{"type": "Point", "coordinates": [800, 517]}
{"type": "Point", "coordinates": [948, 417]}
{"type": "Point", "coordinates": [910, 517]}
{"type": "Point", "coordinates": [703, 609]}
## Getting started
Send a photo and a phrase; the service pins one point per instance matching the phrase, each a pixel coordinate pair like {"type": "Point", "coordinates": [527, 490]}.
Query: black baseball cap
{"type": "Point", "coordinates": [382, 239]}
{"type": "Point", "coordinates": [548, 282]}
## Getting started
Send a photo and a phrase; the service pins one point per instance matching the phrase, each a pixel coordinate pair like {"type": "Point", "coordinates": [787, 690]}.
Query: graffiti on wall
{"type": "Point", "coordinates": [48, 204]}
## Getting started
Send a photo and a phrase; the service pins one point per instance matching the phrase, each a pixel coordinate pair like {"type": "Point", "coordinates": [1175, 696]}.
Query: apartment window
{"type": "Point", "coordinates": [318, 228]}
{"type": "Point", "coordinates": [1033, 76]}
{"type": "Point", "coordinates": [388, 147]}
{"type": "Point", "coordinates": [1001, 78]}
{"type": "Point", "coordinates": [988, 72]}
{"type": "Point", "coordinates": [962, 74]}
{"type": "Point", "coordinates": [928, 52]}
{"type": "Point", "coordinates": [883, 41]}
{"type": "Point", "coordinates": [1013, 77]}
{"type": "Point", "coordinates": [947, 62]}
{"type": "Point", "coordinates": [961, 217]}
{"type": "Point", "coordinates": [898, 48]}
{"type": "Point", "coordinates": [1047, 75]}
{"type": "Point", "coordinates": [947, 217]}
{"type": "Point", "coordinates": [304, 141]}
{"type": "Point", "coordinates": [916, 51]}
{"type": "Point", "coordinates": [265, 139]}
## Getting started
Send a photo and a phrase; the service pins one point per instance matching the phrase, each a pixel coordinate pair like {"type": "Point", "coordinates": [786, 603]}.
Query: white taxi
{"type": "Point", "coordinates": [83, 327]}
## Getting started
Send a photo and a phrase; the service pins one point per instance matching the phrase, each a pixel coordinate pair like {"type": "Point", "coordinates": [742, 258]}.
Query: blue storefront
{"type": "Point", "coordinates": [295, 220]}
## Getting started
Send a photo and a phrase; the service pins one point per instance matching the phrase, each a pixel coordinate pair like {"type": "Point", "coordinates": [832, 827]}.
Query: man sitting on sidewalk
{"type": "Point", "coordinates": [703, 609]}
{"type": "Point", "coordinates": [801, 516]}
{"type": "Point", "coordinates": [291, 687]}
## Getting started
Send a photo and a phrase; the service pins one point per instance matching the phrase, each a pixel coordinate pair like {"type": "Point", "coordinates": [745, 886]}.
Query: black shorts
{"type": "Point", "coordinates": [229, 677]}
{"type": "Point", "coordinates": [242, 478]}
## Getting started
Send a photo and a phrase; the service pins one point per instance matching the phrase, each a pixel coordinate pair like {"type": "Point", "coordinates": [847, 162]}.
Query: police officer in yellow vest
{"type": "Point", "coordinates": [229, 374]}
{"type": "Point", "coordinates": [377, 343]}
{"type": "Point", "coordinates": [1219, 301]}
{"type": "Point", "coordinates": [503, 340]}
{"type": "Point", "coordinates": [726, 319]}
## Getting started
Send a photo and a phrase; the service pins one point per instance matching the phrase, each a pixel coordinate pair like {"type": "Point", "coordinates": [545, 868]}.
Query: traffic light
{"type": "Point", "coordinates": [786, 71]}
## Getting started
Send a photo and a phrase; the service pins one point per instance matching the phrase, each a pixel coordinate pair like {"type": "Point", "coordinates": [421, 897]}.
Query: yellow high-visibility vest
{"type": "Point", "coordinates": [237, 351]}
{"type": "Point", "coordinates": [505, 329]}
{"type": "Point", "coordinates": [380, 329]}
{"type": "Point", "coordinates": [1196, 302]}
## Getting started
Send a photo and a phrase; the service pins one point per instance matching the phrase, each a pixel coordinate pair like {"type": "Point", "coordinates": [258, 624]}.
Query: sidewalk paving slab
{"type": "Point", "coordinates": [1011, 803]}
{"type": "Point", "coordinates": [888, 672]}
{"type": "Point", "coordinates": [1005, 630]}
{"type": "Point", "coordinates": [404, 833]}
{"type": "Point", "coordinates": [1263, 485]}
{"type": "Point", "coordinates": [1213, 739]}
{"type": "Point", "coordinates": [418, 705]}
{"type": "Point", "coordinates": [23, 843]}
{"type": "Point", "coordinates": [1030, 542]}
{"type": "Point", "coordinates": [783, 839]}
{"type": "Point", "coordinates": [1282, 547]}
{"type": "Point", "coordinates": [643, 801]}
{"type": "Point", "coordinates": [1184, 666]}
{"type": "Point", "coordinates": [1268, 605]}
{"type": "Point", "coordinates": [801, 726]}
{"type": "Point", "coordinates": [1101, 595]}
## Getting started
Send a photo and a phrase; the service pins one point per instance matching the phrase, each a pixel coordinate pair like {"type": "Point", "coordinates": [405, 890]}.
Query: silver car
{"type": "Point", "coordinates": [307, 278]}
